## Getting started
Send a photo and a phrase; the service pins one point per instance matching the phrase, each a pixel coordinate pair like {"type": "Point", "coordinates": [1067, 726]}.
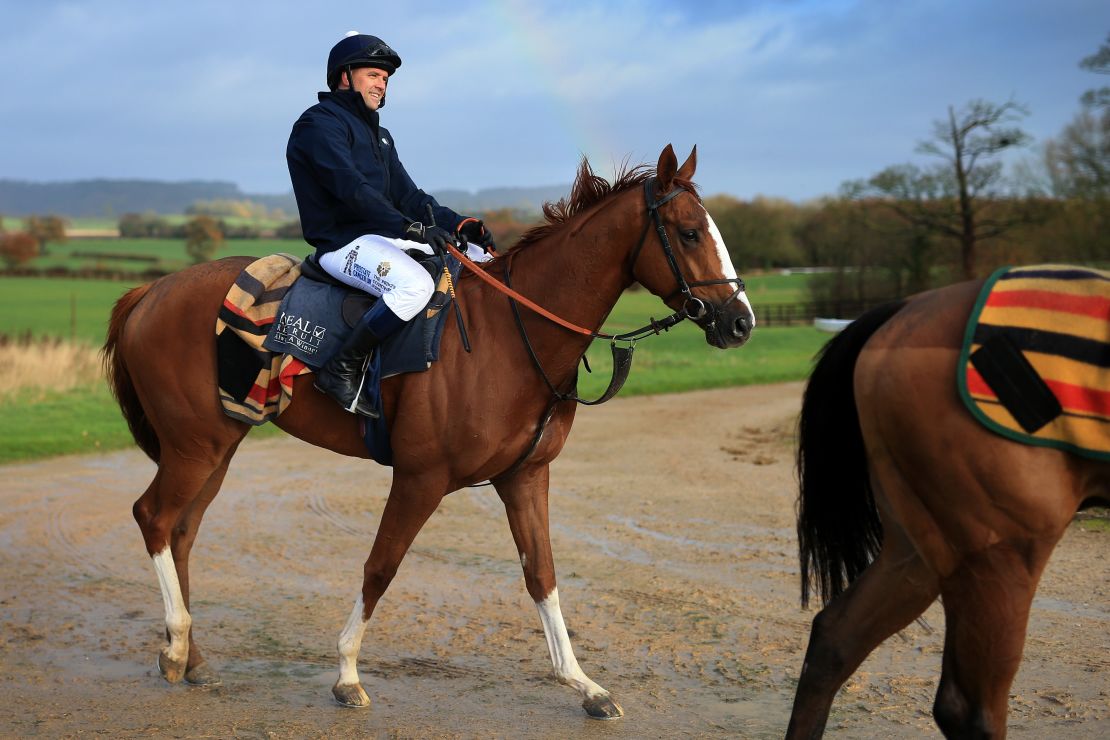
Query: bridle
{"type": "Point", "coordinates": [692, 308]}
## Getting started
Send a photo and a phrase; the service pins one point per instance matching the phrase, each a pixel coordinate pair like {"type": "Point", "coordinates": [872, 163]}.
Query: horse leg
{"type": "Point", "coordinates": [411, 501]}
{"type": "Point", "coordinates": [525, 498]}
{"type": "Point", "coordinates": [177, 484]}
{"type": "Point", "coordinates": [183, 535]}
{"type": "Point", "coordinates": [894, 590]}
{"type": "Point", "coordinates": [986, 605]}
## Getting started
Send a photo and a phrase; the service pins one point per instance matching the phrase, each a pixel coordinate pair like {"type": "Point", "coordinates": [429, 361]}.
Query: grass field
{"type": "Point", "coordinates": [39, 422]}
{"type": "Point", "coordinates": [163, 254]}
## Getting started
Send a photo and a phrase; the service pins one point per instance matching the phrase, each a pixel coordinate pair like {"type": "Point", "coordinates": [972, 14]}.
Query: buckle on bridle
{"type": "Point", "coordinates": [695, 308]}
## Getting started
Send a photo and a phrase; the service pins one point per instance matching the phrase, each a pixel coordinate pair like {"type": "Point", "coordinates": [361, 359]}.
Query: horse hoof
{"type": "Point", "coordinates": [203, 675]}
{"type": "Point", "coordinates": [350, 695]}
{"type": "Point", "coordinates": [602, 707]}
{"type": "Point", "coordinates": [171, 670]}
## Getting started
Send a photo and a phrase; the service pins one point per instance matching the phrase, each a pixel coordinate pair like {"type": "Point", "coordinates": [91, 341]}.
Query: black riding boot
{"type": "Point", "coordinates": [344, 374]}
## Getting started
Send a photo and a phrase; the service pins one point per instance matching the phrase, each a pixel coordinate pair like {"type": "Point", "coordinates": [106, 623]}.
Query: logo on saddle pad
{"type": "Point", "coordinates": [300, 332]}
{"type": "Point", "coordinates": [383, 268]}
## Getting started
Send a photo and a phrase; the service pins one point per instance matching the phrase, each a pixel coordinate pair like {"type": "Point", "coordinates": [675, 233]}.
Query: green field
{"type": "Point", "coordinates": [162, 254]}
{"type": "Point", "coordinates": [87, 419]}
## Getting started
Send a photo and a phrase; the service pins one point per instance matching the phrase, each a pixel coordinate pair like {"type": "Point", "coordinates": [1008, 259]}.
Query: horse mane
{"type": "Point", "coordinates": [588, 190]}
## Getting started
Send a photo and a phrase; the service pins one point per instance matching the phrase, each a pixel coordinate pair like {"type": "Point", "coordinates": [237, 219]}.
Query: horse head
{"type": "Point", "coordinates": [682, 257]}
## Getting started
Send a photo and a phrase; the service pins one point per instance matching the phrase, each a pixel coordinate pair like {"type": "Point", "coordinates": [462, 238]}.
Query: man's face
{"type": "Point", "coordinates": [370, 82]}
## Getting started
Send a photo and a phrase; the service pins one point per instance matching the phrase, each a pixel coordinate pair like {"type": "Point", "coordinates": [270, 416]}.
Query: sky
{"type": "Point", "coordinates": [783, 98]}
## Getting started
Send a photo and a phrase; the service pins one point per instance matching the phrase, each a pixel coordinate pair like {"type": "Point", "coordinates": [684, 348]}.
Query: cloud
{"type": "Point", "coordinates": [784, 97]}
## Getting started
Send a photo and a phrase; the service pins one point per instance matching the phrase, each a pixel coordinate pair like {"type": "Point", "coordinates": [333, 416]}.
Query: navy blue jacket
{"type": "Point", "coordinates": [347, 178]}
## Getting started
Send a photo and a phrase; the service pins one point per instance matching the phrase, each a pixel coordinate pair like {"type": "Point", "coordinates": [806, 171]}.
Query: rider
{"type": "Point", "coordinates": [361, 210]}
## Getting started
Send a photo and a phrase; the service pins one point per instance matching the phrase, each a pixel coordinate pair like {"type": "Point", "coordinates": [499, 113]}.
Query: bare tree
{"type": "Point", "coordinates": [1078, 160]}
{"type": "Point", "coordinates": [1099, 63]}
{"type": "Point", "coordinates": [959, 198]}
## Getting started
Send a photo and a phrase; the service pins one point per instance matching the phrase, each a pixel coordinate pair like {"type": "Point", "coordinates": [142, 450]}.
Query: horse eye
{"type": "Point", "coordinates": [689, 235]}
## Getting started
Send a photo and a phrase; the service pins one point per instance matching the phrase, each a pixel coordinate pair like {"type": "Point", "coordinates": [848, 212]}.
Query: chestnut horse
{"type": "Point", "coordinates": [160, 354]}
{"type": "Point", "coordinates": [906, 497]}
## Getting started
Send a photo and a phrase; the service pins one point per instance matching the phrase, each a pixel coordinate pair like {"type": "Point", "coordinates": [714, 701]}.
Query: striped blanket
{"type": "Point", "coordinates": [255, 384]}
{"type": "Point", "coordinates": [1035, 364]}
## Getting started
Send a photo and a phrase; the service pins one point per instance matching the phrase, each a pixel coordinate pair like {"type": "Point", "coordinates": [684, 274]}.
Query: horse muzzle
{"type": "Point", "coordinates": [728, 327]}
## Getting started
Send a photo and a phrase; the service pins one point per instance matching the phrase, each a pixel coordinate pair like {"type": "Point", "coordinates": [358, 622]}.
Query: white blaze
{"type": "Point", "coordinates": [727, 268]}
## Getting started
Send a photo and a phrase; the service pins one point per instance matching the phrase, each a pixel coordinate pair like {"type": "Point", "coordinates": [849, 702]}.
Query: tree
{"type": "Point", "coordinates": [146, 225]}
{"type": "Point", "coordinates": [1078, 161]}
{"type": "Point", "coordinates": [202, 238]}
{"type": "Point", "coordinates": [46, 229]}
{"type": "Point", "coordinates": [757, 233]}
{"type": "Point", "coordinates": [1099, 63]}
{"type": "Point", "coordinates": [289, 230]}
{"type": "Point", "coordinates": [18, 247]}
{"type": "Point", "coordinates": [959, 198]}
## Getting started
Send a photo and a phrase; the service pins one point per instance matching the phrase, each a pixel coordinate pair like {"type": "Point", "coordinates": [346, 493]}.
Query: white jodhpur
{"type": "Point", "coordinates": [379, 266]}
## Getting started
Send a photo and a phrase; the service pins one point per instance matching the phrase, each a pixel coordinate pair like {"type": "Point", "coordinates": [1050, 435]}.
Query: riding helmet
{"type": "Point", "coordinates": [360, 50]}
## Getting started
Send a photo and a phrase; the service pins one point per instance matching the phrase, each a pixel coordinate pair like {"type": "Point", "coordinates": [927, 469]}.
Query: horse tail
{"type": "Point", "coordinates": [119, 379]}
{"type": "Point", "coordinates": [839, 531]}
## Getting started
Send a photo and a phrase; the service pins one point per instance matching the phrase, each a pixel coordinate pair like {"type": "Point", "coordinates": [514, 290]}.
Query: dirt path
{"type": "Point", "coordinates": [672, 527]}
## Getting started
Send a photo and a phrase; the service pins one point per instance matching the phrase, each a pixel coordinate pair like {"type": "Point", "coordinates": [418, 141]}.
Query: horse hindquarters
{"type": "Point", "coordinates": [974, 515]}
{"type": "Point", "coordinates": [839, 533]}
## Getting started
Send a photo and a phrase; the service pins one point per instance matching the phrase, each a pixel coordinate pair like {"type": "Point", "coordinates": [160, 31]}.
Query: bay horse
{"type": "Point", "coordinates": [161, 363]}
{"type": "Point", "coordinates": [905, 497]}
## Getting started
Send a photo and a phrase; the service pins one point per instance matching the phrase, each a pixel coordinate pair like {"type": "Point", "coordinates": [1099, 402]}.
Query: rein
{"type": "Point", "coordinates": [692, 308]}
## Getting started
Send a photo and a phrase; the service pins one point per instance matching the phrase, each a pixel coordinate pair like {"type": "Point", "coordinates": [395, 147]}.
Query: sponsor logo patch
{"type": "Point", "coordinates": [300, 332]}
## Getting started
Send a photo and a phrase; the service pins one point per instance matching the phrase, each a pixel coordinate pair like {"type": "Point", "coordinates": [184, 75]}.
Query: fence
{"type": "Point", "coordinates": [794, 314]}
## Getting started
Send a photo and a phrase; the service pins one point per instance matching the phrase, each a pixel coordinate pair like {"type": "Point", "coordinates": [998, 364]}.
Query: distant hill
{"type": "Point", "coordinates": [525, 199]}
{"type": "Point", "coordinates": [112, 198]}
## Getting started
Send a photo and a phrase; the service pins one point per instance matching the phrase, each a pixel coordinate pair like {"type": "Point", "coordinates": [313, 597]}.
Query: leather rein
{"type": "Point", "coordinates": [692, 308]}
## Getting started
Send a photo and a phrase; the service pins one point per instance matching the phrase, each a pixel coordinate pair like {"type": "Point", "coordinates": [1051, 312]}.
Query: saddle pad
{"type": "Point", "coordinates": [255, 385]}
{"type": "Point", "coordinates": [1035, 362]}
{"type": "Point", "coordinates": [256, 382]}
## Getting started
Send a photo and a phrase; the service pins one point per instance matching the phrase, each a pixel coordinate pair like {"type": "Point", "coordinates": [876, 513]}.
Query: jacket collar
{"type": "Point", "coordinates": [352, 102]}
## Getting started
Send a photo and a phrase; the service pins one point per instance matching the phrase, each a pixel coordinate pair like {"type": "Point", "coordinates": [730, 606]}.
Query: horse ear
{"type": "Point", "coordinates": [686, 171]}
{"type": "Point", "coordinates": [666, 169]}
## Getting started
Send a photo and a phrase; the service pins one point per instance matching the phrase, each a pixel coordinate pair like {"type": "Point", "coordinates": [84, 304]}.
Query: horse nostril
{"type": "Point", "coordinates": [740, 328]}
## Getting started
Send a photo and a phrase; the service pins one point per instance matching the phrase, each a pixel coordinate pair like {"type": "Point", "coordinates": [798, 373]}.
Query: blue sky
{"type": "Point", "coordinates": [785, 98]}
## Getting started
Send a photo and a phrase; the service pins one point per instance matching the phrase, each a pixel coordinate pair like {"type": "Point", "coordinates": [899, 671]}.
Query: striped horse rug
{"type": "Point", "coordinates": [255, 384]}
{"type": "Point", "coordinates": [1035, 363]}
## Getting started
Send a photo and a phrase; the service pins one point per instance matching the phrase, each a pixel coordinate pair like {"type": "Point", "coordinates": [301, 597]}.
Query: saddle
{"type": "Point", "coordinates": [284, 317]}
{"type": "Point", "coordinates": [1035, 363]}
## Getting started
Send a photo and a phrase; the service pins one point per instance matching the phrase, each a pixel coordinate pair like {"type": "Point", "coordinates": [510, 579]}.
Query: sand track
{"type": "Point", "coordinates": [673, 535]}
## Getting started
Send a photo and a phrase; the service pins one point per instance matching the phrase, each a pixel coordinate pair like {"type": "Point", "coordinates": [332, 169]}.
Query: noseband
{"type": "Point", "coordinates": [692, 306]}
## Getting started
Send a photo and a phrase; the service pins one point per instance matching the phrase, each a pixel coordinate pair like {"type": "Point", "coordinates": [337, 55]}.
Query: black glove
{"type": "Point", "coordinates": [476, 233]}
{"type": "Point", "coordinates": [434, 236]}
